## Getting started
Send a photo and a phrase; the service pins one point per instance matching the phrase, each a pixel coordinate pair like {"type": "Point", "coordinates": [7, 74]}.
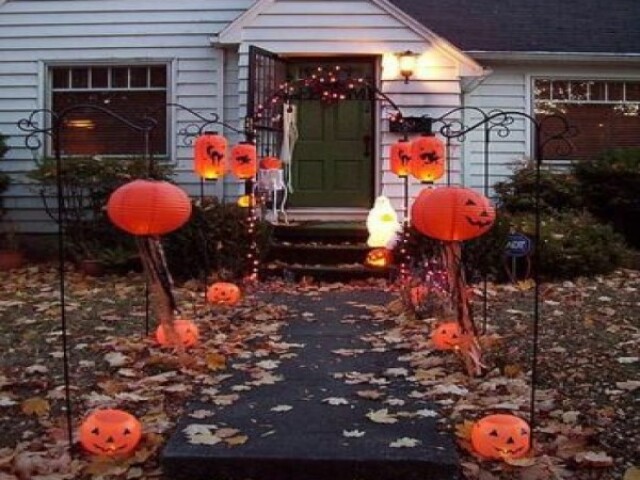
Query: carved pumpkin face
{"type": "Point", "coordinates": [400, 155]}
{"type": "Point", "coordinates": [110, 432]}
{"type": "Point", "coordinates": [427, 158]}
{"type": "Point", "coordinates": [186, 330]}
{"type": "Point", "coordinates": [447, 336]}
{"type": "Point", "coordinates": [270, 163]}
{"type": "Point", "coordinates": [243, 160]}
{"type": "Point", "coordinates": [418, 295]}
{"type": "Point", "coordinates": [209, 154]}
{"type": "Point", "coordinates": [379, 257]}
{"type": "Point", "coordinates": [500, 436]}
{"type": "Point", "coordinates": [452, 213]}
{"type": "Point", "coordinates": [223, 293]}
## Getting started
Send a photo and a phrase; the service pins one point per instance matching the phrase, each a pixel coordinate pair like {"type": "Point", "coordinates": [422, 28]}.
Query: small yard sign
{"type": "Point", "coordinates": [518, 245]}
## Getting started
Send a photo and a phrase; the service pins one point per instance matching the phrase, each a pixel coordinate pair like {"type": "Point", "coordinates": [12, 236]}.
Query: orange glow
{"type": "Point", "coordinates": [209, 154]}
{"type": "Point", "coordinates": [427, 158]}
{"type": "Point", "coordinates": [244, 163]}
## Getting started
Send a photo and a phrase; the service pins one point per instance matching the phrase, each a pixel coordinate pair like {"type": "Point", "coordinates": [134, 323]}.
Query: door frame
{"type": "Point", "coordinates": [374, 62]}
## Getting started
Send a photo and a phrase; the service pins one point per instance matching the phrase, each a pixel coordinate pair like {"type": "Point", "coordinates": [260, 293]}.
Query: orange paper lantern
{"type": "Point", "coordinates": [246, 201]}
{"type": "Point", "coordinates": [379, 257]}
{"type": "Point", "coordinates": [186, 330]}
{"type": "Point", "coordinates": [209, 155]}
{"type": "Point", "coordinates": [243, 160]}
{"type": "Point", "coordinates": [149, 207]}
{"type": "Point", "coordinates": [452, 213]}
{"type": "Point", "coordinates": [400, 157]}
{"type": "Point", "coordinates": [271, 163]}
{"type": "Point", "coordinates": [110, 432]}
{"type": "Point", "coordinates": [447, 336]}
{"type": "Point", "coordinates": [223, 293]}
{"type": "Point", "coordinates": [500, 437]}
{"type": "Point", "coordinates": [427, 158]}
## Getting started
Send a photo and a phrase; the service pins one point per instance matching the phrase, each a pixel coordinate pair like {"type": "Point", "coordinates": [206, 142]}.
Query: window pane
{"type": "Point", "coordinates": [99, 77]}
{"type": "Point", "coordinates": [119, 77]}
{"type": "Point", "coordinates": [579, 91]}
{"type": "Point", "coordinates": [79, 78]}
{"type": "Point", "coordinates": [633, 91]}
{"type": "Point", "coordinates": [60, 77]}
{"type": "Point", "coordinates": [560, 90]}
{"type": "Point", "coordinates": [542, 89]}
{"type": "Point", "coordinates": [159, 76]}
{"type": "Point", "coordinates": [598, 91]}
{"type": "Point", "coordinates": [615, 91]}
{"type": "Point", "coordinates": [138, 77]}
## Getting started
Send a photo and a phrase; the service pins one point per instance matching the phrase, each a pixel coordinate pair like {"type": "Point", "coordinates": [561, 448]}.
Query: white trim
{"type": "Point", "coordinates": [529, 110]}
{"type": "Point", "coordinates": [232, 33]}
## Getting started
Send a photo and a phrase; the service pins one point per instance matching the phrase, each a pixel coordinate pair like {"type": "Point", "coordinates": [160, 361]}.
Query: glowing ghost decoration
{"type": "Point", "coordinates": [382, 223]}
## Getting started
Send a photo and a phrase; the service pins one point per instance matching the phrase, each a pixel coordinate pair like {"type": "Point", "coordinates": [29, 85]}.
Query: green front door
{"type": "Point", "coordinates": [333, 158]}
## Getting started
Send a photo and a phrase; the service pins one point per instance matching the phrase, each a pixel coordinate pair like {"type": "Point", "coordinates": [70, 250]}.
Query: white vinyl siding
{"type": "Point", "coordinates": [35, 34]}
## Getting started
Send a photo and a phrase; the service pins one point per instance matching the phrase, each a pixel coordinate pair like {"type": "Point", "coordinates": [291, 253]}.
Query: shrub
{"type": "Point", "coordinates": [221, 228]}
{"type": "Point", "coordinates": [87, 184]}
{"type": "Point", "coordinates": [558, 191]}
{"type": "Point", "coordinates": [5, 180]}
{"type": "Point", "coordinates": [610, 186]}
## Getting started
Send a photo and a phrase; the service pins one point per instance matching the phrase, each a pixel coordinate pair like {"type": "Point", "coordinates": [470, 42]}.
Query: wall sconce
{"type": "Point", "coordinates": [408, 61]}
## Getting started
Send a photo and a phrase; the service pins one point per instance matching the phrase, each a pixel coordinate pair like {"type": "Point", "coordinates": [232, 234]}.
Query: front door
{"type": "Point", "coordinates": [333, 158]}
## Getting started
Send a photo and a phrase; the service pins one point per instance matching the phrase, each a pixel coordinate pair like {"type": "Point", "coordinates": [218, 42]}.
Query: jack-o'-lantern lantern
{"type": "Point", "coordinates": [400, 156]}
{"type": "Point", "coordinates": [418, 295]}
{"type": "Point", "coordinates": [427, 162]}
{"type": "Point", "coordinates": [452, 213]}
{"type": "Point", "coordinates": [500, 437]}
{"type": "Point", "coordinates": [223, 293]}
{"type": "Point", "coordinates": [447, 336]}
{"type": "Point", "coordinates": [244, 164]}
{"type": "Point", "coordinates": [246, 201]}
{"type": "Point", "coordinates": [149, 207]}
{"type": "Point", "coordinates": [110, 432]}
{"type": "Point", "coordinates": [379, 258]}
{"type": "Point", "coordinates": [270, 163]}
{"type": "Point", "coordinates": [186, 331]}
{"type": "Point", "coordinates": [209, 152]}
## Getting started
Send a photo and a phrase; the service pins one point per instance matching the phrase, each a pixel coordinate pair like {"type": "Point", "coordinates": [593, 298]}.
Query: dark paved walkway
{"type": "Point", "coordinates": [307, 441]}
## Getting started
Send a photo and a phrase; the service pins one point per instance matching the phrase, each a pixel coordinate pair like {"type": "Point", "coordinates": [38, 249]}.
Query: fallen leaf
{"type": "Point", "coordinates": [381, 416]}
{"type": "Point", "coordinates": [335, 401]}
{"type": "Point", "coordinates": [116, 359]}
{"type": "Point", "coordinates": [370, 394]}
{"type": "Point", "coordinates": [215, 361]}
{"type": "Point", "coordinates": [281, 408]}
{"type": "Point", "coordinates": [237, 440]}
{"type": "Point", "coordinates": [405, 442]}
{"type": "Point", "coordinates": [463, 430]}
{"type": "Point", "coordinates": [594, 459]}
{"type": "Point", "coordinates": [353, 433]}
{"type": "Point", "coordinates": [632, 473]}
{"type": "Point", "coordinates": [35, 406]}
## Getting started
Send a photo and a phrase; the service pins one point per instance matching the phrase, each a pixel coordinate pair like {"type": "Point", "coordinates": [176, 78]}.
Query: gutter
{"type": "Point", "coordinates": [603, 57]}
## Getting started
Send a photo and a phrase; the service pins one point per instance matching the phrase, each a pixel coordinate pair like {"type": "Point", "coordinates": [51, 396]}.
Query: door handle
{"type": "Point", "coordinates": [366, 139]}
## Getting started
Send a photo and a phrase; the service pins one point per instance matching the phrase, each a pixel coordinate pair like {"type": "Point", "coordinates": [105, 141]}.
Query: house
{"type": "Point", "coordinates": [577, 57]}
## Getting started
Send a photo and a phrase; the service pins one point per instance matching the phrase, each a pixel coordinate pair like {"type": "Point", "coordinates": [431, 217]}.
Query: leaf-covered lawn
{"type": "Point", "coordinates": [588, 415]}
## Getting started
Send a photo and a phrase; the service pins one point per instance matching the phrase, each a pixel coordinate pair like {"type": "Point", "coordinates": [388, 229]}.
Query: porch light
{"type": "Point", "coordinates": [408, 61]}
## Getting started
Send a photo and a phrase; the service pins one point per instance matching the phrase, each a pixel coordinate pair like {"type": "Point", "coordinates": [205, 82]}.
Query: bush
{"type": "Point", "coordinates": [5, 180]}
{"type": "Point", "coordinates": [558, 191]}
{"type": "Point", "coordinates": [221, 228]}
{"type": "Point", "coordinates": [87, 184]}
{"type": "Point", "coordinates": [610, 186]}
{"type": "Point", "coordinates": [574, 245]}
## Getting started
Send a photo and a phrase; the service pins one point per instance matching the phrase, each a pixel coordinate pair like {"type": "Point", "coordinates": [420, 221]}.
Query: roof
{"type": "Point", "coordinates": [573, 26]}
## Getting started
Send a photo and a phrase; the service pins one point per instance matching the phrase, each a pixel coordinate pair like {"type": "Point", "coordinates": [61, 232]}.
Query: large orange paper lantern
{"type": "Point", "coordinates": [110, 432]}
{"type": "Point", "coordinates": [447, 336]}
{"type": "Point", "coordinates": [149, 207]}
{"type": "Point", "coordinates": [501, 437]}
{"type": "Point", "coordinates": [223, 293]}
{"type": "Point", "coordinates": [209, 154]}
{"type": "Point", "coordinates": [244, 163]}
{"type": "Point", "coordinates": [452, 214]}
{"type": "Point", "coordinates": [427, 162]}
{"type": "Point", "coordinates": [400, 156]}
{"type": "Point", "coordinates": [271, 163]}
{"type": "Point", "coordinates": [186, 331]}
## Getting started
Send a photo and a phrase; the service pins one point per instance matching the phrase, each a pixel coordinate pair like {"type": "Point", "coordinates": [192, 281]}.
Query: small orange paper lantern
{"type": "Point", "coordinates": [209, 154]}
{"type": "Point", "coordinates": [149, 207]}
{"type": "Point", "coordinates": [400, 157]}
{"type": "Point", "coordinates": [223, 293]}
{"type": "Point", "coordinates": [271, 163]}
{"type": "Point", "coordinates": [427, 158]}
{"type": "Point", "coordinates": [186, 330]}
{"type": "Point", "coordinates": [246, 201]}
{"type": "Point", "coordinates": [379, 257]}
{"type": "Point", "coordinates": [452, 213]}
{"type": "Point", "coordinates": [500, 437]}
{"type": "Point", "coordinates": [447, 336]}
{"type": "Point", "coordinates": [110, 432]}
{"type": "Point", "coordinates": [244, 163]}
{"type": "Point", "coordinates": [418, 295]}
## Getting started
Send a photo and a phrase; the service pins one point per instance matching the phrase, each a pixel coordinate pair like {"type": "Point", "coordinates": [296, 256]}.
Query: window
{"type": "Point", "coordinates": [130, 91]}
{"type": "Point", "coordinates": [605, 112]}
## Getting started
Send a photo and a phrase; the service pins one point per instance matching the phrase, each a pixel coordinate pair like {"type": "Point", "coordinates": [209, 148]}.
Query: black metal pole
{"type": "Point", "coordinates": [485, 300]}
{"type": "Point", "coordinates": [61, 275]}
